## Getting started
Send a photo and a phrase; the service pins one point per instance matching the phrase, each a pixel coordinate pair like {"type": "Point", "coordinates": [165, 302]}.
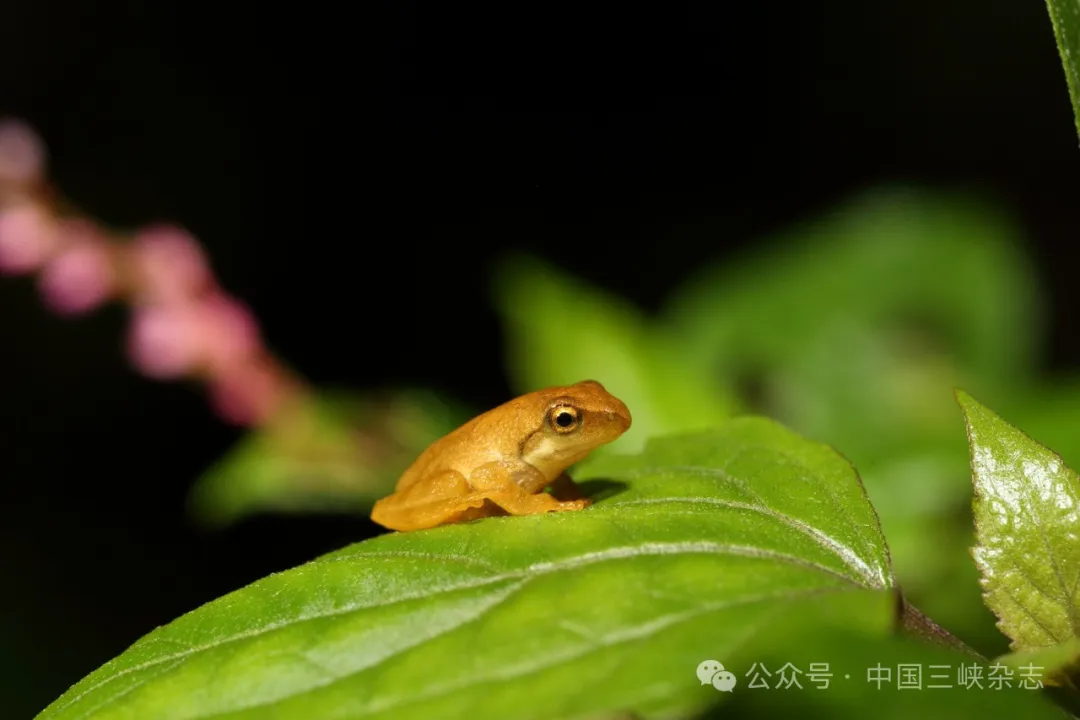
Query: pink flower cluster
{"type": "Point", "coordinates": [183, 324]}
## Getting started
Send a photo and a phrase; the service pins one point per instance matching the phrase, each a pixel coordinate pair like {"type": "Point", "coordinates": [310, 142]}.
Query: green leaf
{"type": "Point", "coordinates": [559, 331]}
{"type": "Point", "coordinates": [334, 451]}
{"type": "Point", "coordinates": [1061, 662]}
{"type": "Point", "coordinates": [695, 548]}
{"type": "Point", "coordinates": [1065, 16]}
{"type": "Point", "coordinates": [1027, 526]}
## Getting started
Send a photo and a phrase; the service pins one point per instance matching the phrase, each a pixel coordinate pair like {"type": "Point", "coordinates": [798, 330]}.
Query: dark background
{"type": "Point", "coordinates": [356, 170]}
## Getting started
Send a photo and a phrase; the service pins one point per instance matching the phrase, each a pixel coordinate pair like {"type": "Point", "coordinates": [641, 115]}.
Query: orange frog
{"type": "Point", "coordinates": [501, 462]}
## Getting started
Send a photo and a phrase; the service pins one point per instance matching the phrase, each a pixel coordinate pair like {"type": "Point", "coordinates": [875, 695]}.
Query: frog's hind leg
{"type": "Point", "coordinates": [437, 500]}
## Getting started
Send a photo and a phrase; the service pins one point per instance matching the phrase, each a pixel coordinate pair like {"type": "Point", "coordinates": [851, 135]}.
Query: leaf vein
{"type": "Point", "coordinates": [825, 541]}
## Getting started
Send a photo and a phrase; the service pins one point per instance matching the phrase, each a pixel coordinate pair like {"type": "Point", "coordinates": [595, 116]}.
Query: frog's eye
{"type": "Point", "coordinates": [564, 419]}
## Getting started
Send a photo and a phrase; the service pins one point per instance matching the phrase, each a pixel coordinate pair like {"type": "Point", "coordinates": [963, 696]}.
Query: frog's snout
{"type": "Point", "coordinates": [620, 420]}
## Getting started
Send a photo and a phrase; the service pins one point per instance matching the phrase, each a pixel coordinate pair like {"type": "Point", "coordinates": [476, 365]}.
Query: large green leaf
{"type": "Point", "coordinates": [695, 548]}
{"type": "Point", "coordinates": [1027, 523]}
{"type": "Point", "coordinates": [1065, 16]}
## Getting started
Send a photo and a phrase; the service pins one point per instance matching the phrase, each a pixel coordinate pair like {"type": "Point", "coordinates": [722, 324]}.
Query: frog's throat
{"type": "Point", "coordinates": [551, 455]}
{"type": "Point", "coordinates": [534, 451]}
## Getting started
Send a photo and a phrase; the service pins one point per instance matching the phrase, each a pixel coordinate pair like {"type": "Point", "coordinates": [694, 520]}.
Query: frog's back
{"type": "Point", "coordinates": [455, 451]}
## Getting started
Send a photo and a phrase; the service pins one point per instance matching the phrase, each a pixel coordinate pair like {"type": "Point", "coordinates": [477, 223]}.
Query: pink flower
{"type": "Point", "coordinates": [79, 278]}
{"type": "Point", "coordinates": [22, 154]}
{"type": "Point", "coordinates": [165, 342]}
{"type": "Point", "coordinates": [170, 264]}
{"type": "Point", "coordinates": [215, 334]}
{"type": "Point", "coordinates": [27, 238]}
{"type": "Point", "coordinates": [248, 394]}
{"type": "Point", "coordinates": [229, 330]}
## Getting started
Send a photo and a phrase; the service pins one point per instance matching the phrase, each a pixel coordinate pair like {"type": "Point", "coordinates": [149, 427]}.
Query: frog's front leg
{"type": "Point", "coordinates": [564, 488]}
{"type": "Point", "coordinates": [499, 486]}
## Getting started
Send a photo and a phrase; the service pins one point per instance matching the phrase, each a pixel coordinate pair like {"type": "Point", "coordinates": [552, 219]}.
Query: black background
{"type": "Point", "coordinates": [355, 171]}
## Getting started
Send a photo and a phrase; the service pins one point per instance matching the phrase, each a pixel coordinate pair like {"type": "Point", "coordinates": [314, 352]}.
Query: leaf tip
{"type": "Point", "coordinates": [963, 399]}
{"type": "Point", "coordinates": [970, 407]}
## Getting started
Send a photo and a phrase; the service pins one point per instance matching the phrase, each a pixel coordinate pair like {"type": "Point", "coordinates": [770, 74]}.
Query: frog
{"type": "Point", "coordinates": [503, 461]}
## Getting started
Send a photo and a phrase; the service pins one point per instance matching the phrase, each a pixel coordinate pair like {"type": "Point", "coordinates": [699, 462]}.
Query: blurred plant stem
{"type": "Point", "coordinates": [914, 622]}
